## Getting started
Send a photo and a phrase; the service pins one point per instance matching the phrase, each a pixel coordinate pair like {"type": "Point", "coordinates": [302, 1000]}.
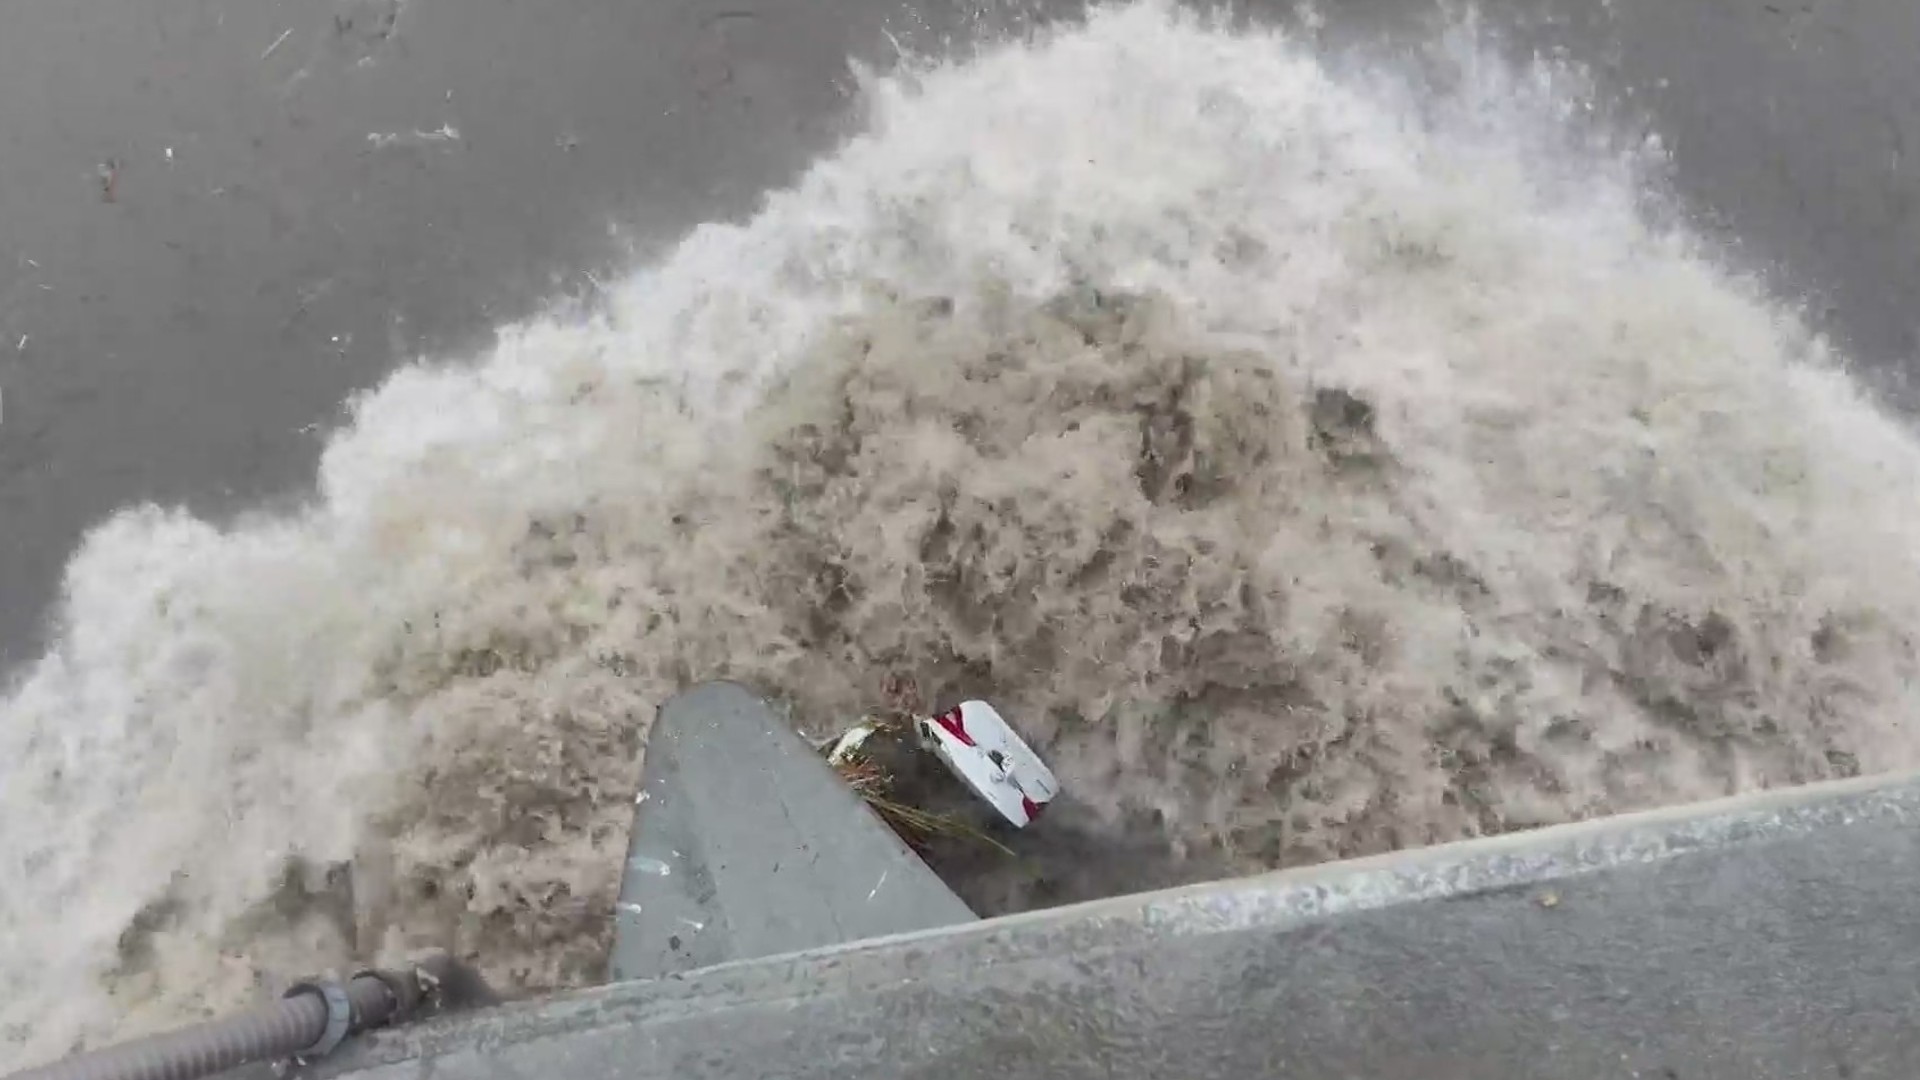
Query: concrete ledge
{"type": "Point", "coordinates": [746, 843]}
{"type": "Point", "coordinates": [1777, 935]}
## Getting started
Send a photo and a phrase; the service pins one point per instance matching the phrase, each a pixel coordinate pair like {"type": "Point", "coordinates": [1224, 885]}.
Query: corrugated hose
{"type": "Point", "coordinates": [307, 1023]}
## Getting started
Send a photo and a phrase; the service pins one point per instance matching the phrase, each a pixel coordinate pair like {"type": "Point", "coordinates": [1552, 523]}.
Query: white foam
{"type": "Point", "coordinates": [1316, 467]}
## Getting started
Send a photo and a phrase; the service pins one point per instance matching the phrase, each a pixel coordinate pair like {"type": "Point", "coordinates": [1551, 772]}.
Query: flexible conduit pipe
{"type": "Point", "coordinates": [294, 1026]}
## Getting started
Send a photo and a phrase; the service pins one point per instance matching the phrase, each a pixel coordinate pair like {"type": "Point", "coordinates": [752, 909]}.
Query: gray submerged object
{"type": "Point", "coordinates": [1769, 936]}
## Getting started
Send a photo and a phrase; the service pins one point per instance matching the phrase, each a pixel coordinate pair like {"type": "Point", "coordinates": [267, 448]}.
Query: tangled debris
{"type": "Point", "coordinates": [882, 759]}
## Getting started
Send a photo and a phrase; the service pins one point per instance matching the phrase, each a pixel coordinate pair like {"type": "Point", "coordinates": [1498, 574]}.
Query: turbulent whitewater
{"type": "Point", "coordinates": [1312, 463]}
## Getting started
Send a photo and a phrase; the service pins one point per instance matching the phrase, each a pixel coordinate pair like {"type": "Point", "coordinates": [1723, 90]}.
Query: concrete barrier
{"type": "Point", "coordinates": [1769, 936]}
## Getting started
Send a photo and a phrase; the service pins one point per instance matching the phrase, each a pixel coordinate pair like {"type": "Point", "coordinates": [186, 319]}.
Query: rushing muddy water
{"type": "Point", "coordinates": [1311, 463]}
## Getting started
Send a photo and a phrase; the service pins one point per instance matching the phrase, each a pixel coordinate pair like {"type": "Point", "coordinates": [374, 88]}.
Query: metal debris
{"type": "Point", "coordinates": [861, 755]}
{"type": "Point", "coordinates": [849, 743]}
{"type": "Point", "coordinates": [982, 749]}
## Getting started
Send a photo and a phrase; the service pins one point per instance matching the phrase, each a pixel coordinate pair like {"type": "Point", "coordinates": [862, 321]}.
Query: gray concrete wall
{"type": "Point", "coordinates": [746, 843]}
{"type": "Point", "coordinates": [1773, 936]}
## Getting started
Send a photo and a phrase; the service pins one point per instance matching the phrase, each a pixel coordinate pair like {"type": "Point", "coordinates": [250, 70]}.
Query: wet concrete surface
{"type": "Point", "coordinates": [1768, 936]}
{"type": "Point", "coordinates": [218, 220]}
